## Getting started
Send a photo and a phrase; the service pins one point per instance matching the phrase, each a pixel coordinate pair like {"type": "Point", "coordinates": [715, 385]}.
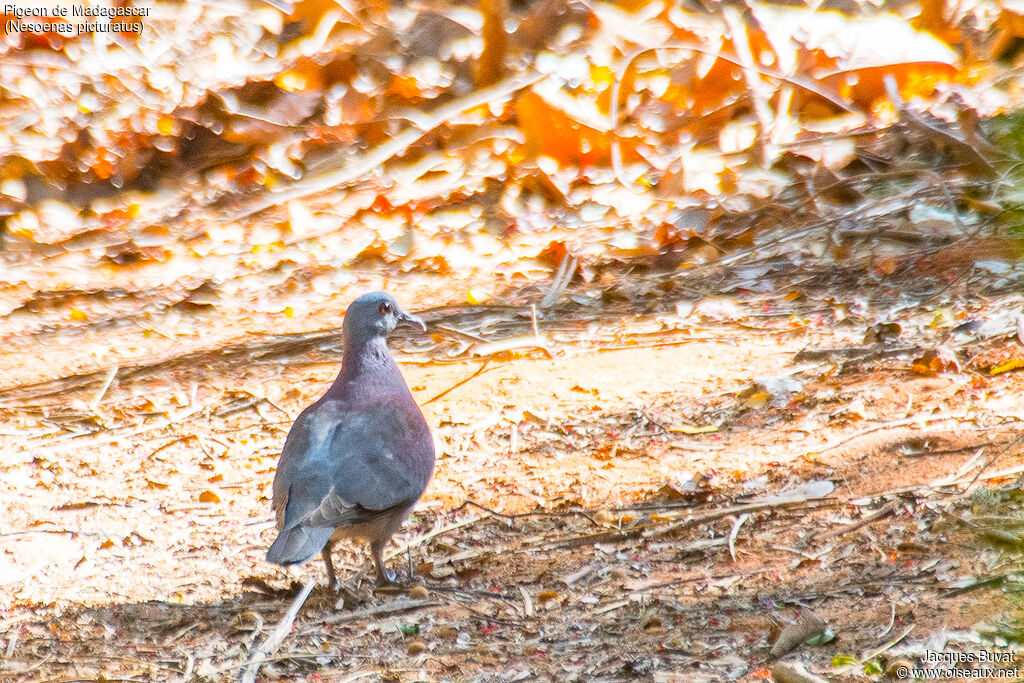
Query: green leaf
{"type": "Point", "coordinates": [843, 660]}
{"type": "Point", "coordinates": [826, 636]}
{"type": "Point", "coordinates": [873, 668]}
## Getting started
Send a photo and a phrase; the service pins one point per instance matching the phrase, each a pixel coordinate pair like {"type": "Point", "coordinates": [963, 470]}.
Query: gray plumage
{"type": "Point", "coordinates": [356, 461]}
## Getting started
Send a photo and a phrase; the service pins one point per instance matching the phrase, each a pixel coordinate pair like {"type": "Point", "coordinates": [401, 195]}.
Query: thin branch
{"type": "Point", "coordinates": [479, 371]}
{"type": "Point", "coordinates": [277, 636]}
{"type": "Point", "coordinates": [396, 607]}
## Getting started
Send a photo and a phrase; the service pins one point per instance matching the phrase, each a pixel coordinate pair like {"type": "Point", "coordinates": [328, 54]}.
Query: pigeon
{"type": "Point", "coordinates": [356, 461]}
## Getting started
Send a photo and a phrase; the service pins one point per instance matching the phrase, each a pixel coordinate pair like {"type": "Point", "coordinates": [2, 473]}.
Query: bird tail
{"type": "Point", "coordinates": [298, 544]}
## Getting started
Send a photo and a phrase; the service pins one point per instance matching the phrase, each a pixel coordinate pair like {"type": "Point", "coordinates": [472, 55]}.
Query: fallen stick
{"type": "Point", "coordinates": [389, 608]}
{"type": "Point", "coordinates": [479, 371]}
{"type": "Point", "coordinates": [94, 404]}
{"type": "Point", "coordinates": [870, 519]}
{"type": "Point", "coordinates": [654, 530]}
{"type": "Point", "coordinates": [277, 636]}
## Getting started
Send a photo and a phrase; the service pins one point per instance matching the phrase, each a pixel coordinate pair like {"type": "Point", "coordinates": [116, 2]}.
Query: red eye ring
{"type": "Point", "coordinates": [385, 307]}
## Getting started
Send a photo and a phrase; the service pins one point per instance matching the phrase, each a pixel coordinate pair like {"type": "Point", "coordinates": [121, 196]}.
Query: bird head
{"type": "Point", "coordinates": [376, 314]}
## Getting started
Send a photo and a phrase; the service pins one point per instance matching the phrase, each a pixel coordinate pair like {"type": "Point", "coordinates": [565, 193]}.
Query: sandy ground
{"type": "Point", "coordinates": [135, 551]}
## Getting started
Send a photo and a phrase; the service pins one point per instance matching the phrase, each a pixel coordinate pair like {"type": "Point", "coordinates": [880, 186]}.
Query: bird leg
{"type": "Point", "coordinates": [385, 576]}
{"type": "Point", "coordinates": [350, 598]}
{"type": "Point", "coordinates": [332, 579]}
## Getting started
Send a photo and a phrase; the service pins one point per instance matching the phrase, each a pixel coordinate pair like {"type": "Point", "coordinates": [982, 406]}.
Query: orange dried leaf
{"type": "Point", "coordinates": [557, 126]}
{"type": "Point", "coordinates": [405, 86]}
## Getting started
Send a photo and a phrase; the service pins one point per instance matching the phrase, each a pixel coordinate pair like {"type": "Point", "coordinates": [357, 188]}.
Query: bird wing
{"type": "Point", "coordinates": [345, 464]}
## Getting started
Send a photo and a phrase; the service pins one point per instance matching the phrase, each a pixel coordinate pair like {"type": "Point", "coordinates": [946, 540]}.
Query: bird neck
{"type": "Point", "coordinates": [368, 361]}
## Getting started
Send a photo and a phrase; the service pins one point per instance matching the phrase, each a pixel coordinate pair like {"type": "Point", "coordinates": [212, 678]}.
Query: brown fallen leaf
{"type": "Point", "coordinates": [794, 672]}
{"type": "Point", "coordinates": [882, 333]}
{"type": "Point", "coordinates": [797, 633]}
{"type": "Point", "coordinates": [246, 621]}
{"type": "Point", "coordinates": [934, 361]}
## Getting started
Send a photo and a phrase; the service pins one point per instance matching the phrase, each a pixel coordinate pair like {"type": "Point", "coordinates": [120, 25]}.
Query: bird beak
{"type": "Point", "coordinates": [406, 317]}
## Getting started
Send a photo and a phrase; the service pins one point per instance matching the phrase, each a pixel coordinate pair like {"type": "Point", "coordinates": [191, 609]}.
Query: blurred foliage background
{"type": "Point", "coordinates": [449, 138]}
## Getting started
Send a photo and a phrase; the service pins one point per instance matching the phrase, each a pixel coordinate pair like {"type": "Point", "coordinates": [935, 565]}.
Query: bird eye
{"type": "Point", "coordinates": [385, 307]}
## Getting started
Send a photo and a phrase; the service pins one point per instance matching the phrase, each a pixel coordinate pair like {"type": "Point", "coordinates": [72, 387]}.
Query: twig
{"type": "Point", "coordinates": [521, 515]}
{"type": "Point", "coordinates": [483, 615]}
{"type": "Point", "coordinates": [111, 374]}
{"type": "Point", "coordinates": [952, 479]}
{"type": "Point", "coordinates": [889, 424]}
{"type": "Point", "coordinates": [104, 437]}
{"type": "Point", "coordinates": [611, 607]}
{"type": "Point", "coordinates": [734, 532]}
{"type": "Point", "coordinates": [1001, 473]}
{"type": "Point", "coordinates": [460, 333]}
{"type": "Point", "coordinates": [479, 371]}
{"type": "Point", "coordinates": [654, 530]}
{"type": "Point", "coordinates": [870, 519]}
{"type": "Point", "coordinates": [190, 666]}
{"type": "Point", "coordinates": [513, 344]}
{"type": "Point", "coordinates": [12, 642]}
{"type": "Point", "coordinates": [581, 574]}
{"type": "Point", "coordinates": [389, 608]}
{"type": "Point", "coordinates": [564, 275]}
{"type": "Point", "coordinates": [994, 460]}
{"type": "Point", "coordinates": [63, 532]}
{"type": "Point", "coordinates": [871, 654]}
{"type": "Point", "coordinates": [361, 675]}
{"type": "Point", "coordinates": [174, 440]}
{"type": "Point", "coordinates": [989, 582]}
{"type": "Point", "coordinates": [277, 636]}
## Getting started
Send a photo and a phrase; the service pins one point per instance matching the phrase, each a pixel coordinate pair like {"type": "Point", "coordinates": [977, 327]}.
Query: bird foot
{"type": "Point", "coordinates": [389, 578]}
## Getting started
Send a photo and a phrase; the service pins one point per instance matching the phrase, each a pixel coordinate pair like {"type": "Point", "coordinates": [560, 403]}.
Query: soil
{"type": "Point", "coordinates": [623, 501]}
